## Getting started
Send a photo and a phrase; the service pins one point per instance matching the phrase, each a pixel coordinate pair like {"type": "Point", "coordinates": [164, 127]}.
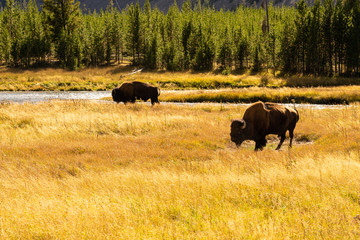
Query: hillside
{"type": "Point", "coordinates": [164, 4]}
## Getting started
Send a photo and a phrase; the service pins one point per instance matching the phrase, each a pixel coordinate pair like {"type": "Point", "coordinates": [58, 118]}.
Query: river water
{"type": "Point", "coordinates": [40, 96]}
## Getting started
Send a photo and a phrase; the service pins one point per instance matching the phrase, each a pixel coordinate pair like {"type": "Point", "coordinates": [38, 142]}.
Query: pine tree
{"type": "Point", "coordinates": [148, 26]}
{"type": "Point", "coordinates": [257, 60]}
{"type": "Point", "coordinates": [5, 39]}
{"type": "Point", "coordinates": [185, 36]}
{"type": "Point", "coordinates": [119, 35]}
{"type": "Point", "coordinates": [301, 34]}
{"type": "Point", "coordinates": [135, 38]}
{"type": "Point", "coordinates": [242, 52]}
{"type": "Point", "coordinates": [108, 38]}
{"type": "Point", "coordinates": [270, 48]}
{"type": "Point", "coordinates": [2, 34]}
{"type": "Point", "coordinates": [12, 32]}
{"type": "Point", "coordinates": [339, 30]}
{"type": "Point", "coordinates": [287, 54]}
{"type": "Point", "coordinates": [352, 11]}
{"type": "Point", "coordinates": [34, 46]}
{"type": "Point", "coordinates": [173, 55]}
{"type": "Point", "coordinates": [312, 51]}
{"type": "Point", "coordinates": [186, 30]}
{"type": "Point", "coordinates": [225, 56]}
{"type": "Point", "coordinates": [153, 53]}
{"type": "Point", "coordinates": [327, 38]}
{"type": "Point", "coordinates": [204, 52]}
{"type": "Point", "coordinates": [63, 18]}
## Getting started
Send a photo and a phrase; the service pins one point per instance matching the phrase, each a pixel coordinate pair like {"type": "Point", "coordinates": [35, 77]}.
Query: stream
{"type": "Point", "coordinates": [40, 96]}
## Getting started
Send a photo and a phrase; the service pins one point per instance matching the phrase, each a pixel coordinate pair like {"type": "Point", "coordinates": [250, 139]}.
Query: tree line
{"type": "Point", "coordinates": [320, 39]}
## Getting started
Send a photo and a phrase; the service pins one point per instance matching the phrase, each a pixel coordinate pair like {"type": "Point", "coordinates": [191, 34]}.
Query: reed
{"type": "Point", "coordinates": [81, 169]}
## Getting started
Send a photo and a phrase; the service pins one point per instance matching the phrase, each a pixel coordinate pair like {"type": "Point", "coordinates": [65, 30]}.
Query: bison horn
{"type": "Point", "coordinates": [243, 124]}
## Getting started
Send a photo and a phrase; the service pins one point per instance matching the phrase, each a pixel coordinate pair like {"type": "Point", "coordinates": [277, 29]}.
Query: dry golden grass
{"type": "Point", "coordinates": [89, 170]}
{"type": "Point", "coordinates": [319, 95]}
{"type": "Point", "coordinates": [106, 78]}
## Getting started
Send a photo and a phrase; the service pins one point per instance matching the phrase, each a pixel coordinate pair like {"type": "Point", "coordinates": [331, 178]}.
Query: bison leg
{"type": "Point", "coordinates": [259, 144]}
{"type": "Point", "coordinates": [281, 141]}
{"type": "Point", "coordinates": [154, 100]}
{"type": "Point", "coordinates": [291, 134]}
{"type": "Point", "coordinates": [263, 143]}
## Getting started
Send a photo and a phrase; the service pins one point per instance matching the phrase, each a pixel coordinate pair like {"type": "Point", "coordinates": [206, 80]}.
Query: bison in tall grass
{"type": "Point", "coordinates": [261, 119]}
{"type": "Point", "coordinates": [130, 91]}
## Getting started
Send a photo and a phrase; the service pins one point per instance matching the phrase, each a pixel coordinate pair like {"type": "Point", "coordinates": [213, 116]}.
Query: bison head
{"type": "Point", "coordinates": [237, 133]}
{"type": "Point", "coordinates": [117, 95]}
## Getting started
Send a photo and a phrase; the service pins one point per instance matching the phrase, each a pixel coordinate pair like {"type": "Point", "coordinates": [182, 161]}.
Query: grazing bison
{"type": "Point", "coordinates": [130, 91]}
{"type": "Point", "coordinates": [261, 119]}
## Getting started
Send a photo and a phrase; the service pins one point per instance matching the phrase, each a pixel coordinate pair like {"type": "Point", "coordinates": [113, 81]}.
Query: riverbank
{"type": "Point", "coordinates": [242, 88]}
{"type": "Point", "coordinates": [319, 95]}
{"type": "Point", "coordinates": [106, 78]}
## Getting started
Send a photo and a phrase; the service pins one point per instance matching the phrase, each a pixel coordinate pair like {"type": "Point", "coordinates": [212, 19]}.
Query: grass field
{"type": "Point", "coordinates": [88, 170]}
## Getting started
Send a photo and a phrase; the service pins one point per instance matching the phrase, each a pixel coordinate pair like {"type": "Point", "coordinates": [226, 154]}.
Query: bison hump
{"type": "Point", "coordinates": [257, 117]}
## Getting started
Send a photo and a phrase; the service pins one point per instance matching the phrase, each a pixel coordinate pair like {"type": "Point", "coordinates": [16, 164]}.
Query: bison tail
{"type": "Point", "coordinates": [297, 113]}
{"type": "Point", "coordinates": [293, 101]}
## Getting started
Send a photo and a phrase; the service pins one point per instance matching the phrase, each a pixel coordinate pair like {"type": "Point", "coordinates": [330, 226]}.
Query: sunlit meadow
{"type": "Point", "coordinates": [99, 170]}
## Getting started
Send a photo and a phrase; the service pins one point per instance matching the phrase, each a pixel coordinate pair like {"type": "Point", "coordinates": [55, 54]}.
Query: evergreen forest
{"type": "Point", "coordinates": [322, 39]}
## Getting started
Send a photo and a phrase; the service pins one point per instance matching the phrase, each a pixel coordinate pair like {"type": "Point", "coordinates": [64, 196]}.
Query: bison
{"type": "Point", "coordinates": [130, 91]}
{"type": "Point", "coordinates": [261, 119]}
